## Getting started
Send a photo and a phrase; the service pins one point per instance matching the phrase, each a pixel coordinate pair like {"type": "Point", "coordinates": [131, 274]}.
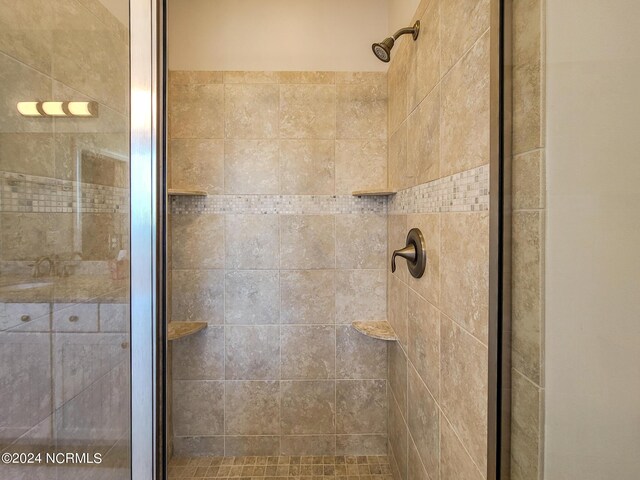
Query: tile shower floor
{"type": "Point", "coordinates": [284, 467]}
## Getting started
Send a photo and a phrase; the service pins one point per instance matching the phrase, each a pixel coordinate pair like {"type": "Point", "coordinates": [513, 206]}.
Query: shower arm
{"type": "Point", "coordinates": [413, 31]}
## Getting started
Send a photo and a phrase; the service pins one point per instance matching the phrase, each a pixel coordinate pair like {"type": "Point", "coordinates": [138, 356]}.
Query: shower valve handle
{"type": "Point", "coordinates": [414, 252]}
{"type": "Point", "coordinates": [408, 252]}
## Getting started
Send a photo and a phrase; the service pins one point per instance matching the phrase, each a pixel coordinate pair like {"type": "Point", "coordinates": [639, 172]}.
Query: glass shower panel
{"type": "Point", "coordinates": [64, 241]}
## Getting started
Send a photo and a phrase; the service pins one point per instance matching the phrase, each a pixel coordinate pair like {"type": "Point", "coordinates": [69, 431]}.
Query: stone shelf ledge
{"type": "Point", "coordinates": [373, 193]}
{"type": "Point", "coordinates": [178, 330]}
{"type": "Point", "coordinates": [381, 330]}
{"type": "Point", "coordinates": [186, 193]}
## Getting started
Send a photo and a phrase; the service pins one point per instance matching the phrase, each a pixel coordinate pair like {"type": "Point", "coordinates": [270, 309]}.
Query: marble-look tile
{"type": "Point", "coordinates": [398, 85]}
{"type": "Point", "coordinates": [399, 175]}
{"type": "Point", "coordinates": [424, 67]}
{"type": "Point", "coordinates": [528, 81]}
{"type": "Point", "coordinates": [398, 438]}
{"type": "Point", "coordinates": [415, 467]}
{"type": "Point", "coordinates": [424, 341]}
{"type": "Point", "coordinates": [298, 78]}
{"type": "Point", "coordinates": [250, 77]}
{"type": "Point", "coordinates": [26, 32]}
{"type": "Point", "coordinates": [252, 242]}
{"type": "Point", "coordinates": [361, 295]}
{"type": "Point", "coordinates": [252, 408]}
{"type": "Point", "coordinates": [307, 111]}
{"type": "Point", "coordinates": [465, 111]}
{"type": "Point", "coordinates": [360, 165]}
{"type": "Point", "coordinates": [361, 111]}
{"type": "Point", "coordinates": [462, 22]}
{"type": "Point", "coordinates": [19, 82]}
{"type": "Point", "coordinates": [252, 297]}
{"type": "Point", "coordinates": [528, 111]}
{"type": "Point", "coordinates": [397, 311]}
{"type": "Point", "coordinates": [26, 236]}
{"type": "Point", "coordinates": [198, 407]}
{"type": "Point", "coordinates": [361, 241]}
{"type": "Point", "coordinates": [361, 406]}
{"type": "Point", "coordinates": [198, 445]}
{"type": "Point", "coordinates": [463, 388]}
{"type": "Point", "coordinates": [197, 295]}
{"type": "Point", "coordinates": [428, 286]}
{"type": "Point", "coordinates": [240, 446]}
{"type": "Point", "coordinates": [38, 148]}
{"type": "Point", "coordinates": [423, 148]}
{"type": "Point", "coordinates": [196, 111]}
{"type": "Point", "coordinates": [308, 407]}
{"type": "Point", "coordinates": [307, 167]}
{"type": "Point", "coordinates": [88, 56]}
{"type": "Point", "coordinates": [199, 356]}
{"type": "Point", "coordinates": [251, 167]}
{"type": "Point", "coordinates": [308, 296]}
{"type": "Point", "coordinates": [194, 77]}
{"type": "Point", "coordinates": [308, 445]}
{"type": "Point", "coordinates": [527, 287]}
{"type": "Point", "coordinates": [307, 242]}
{"type": "Point", "coordinates": [362, 78]}
{"type": "Point", "coordinates": [307, 352]}
{"type": "Point", "coordinates": [397, 368]}
{"type": "Point", "coordinates": [252, 352]}
{"type": "Point", "coordinates": [197, 164]}
{"type": "Point", "coordinates": [528, 180]}
{"type": "Point", "coordinates": [526, 438]}
{"type": "Point", "coordinates": [197, 241]}
{"type": "Point", "coordinates": [359, 356]}
{"type": "Point", "coordinates": [423, 420]}
{"type": "Point", "coordinates": [374, 444]}
{"type": "Point", "coordinates": [455, 463]}
{"type": "Point", "coordinates": [251, 111]}
{"type": "Point", "coordinates": [464, 270]}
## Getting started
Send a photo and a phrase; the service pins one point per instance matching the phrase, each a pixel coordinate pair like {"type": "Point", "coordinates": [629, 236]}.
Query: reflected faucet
{"type": "Point", "coordinates": [36, 273]}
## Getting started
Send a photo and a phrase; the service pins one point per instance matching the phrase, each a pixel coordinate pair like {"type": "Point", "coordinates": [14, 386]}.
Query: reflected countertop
{"type": "Point", "coordinates": [73, 289]}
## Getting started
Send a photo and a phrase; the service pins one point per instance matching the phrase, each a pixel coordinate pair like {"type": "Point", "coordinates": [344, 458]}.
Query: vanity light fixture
{"type": "Point", "coordinates": [58, 109]}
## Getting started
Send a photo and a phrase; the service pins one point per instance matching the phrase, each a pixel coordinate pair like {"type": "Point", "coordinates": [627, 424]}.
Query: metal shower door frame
{"type": "Point", "coordinates": [148, 201]}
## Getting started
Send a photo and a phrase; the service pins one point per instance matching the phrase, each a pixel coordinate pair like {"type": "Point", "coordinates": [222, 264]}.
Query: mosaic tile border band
{"type": "Point", "coordinates": [20, 193]}
{"type": "Point", "coordinates": [466, 191]}
{"type": "Point", "coordinates": [462, 192]}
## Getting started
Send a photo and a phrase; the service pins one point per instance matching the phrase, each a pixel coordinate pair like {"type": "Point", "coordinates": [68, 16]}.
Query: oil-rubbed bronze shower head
{"type": "Point", "coordinates": [382, 50]}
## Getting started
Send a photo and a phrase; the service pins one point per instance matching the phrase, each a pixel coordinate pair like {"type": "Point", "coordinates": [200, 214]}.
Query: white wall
{"type": "Point", "coordinates": [400, 14]}
{"type": "Point", "coordinates": [593, 240]}
{"type": "Point", "coordinates": [276, 34]}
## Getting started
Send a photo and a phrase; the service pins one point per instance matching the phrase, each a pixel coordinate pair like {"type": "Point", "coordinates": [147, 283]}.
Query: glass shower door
{"type": "Point", "coordinates": [65, 241]}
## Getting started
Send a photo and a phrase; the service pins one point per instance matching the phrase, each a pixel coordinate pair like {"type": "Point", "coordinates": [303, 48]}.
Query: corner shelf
{"type": "Point", "coordinates": [186, 193]}
{"type": "Point", "coordinates": [381, 330]}
{"type": "Point", "coordinates": [373, 193]}
{"type": "Point", "coordinates": [176, 330]}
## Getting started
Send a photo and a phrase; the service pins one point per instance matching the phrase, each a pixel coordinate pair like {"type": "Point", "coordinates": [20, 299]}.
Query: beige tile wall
{"type": "Point", "coordinates": [439, 125]}
{"type": "Point", "coordinates": [279, 369]}
{"type": "Point", "coordinates": [528, 232]}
